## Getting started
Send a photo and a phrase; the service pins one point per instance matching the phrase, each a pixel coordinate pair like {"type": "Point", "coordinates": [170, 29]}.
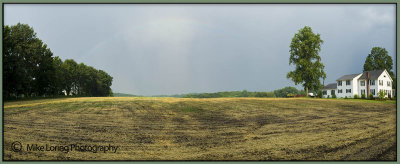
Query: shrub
{"type": "Point", "coordinates": [381, 95]}
{"type": "Point", "coordinates": [363, 96]}
{"type": "Point", "coordinates": [285, 91]}
{"type": "Point", "coordinates": [263, 94]}
{"type": "Point", "coordinates": [371, 96]}
{"type": "Point", "coordinates": [319, 94]}
{"type": "Point", "coordinates": [355, 96]}
{"type": "Point", "coordinates": [328, 97]}
{"type": "Point", "coordinates": [290, 95]}
{"type": "Point", "coordinates": [345, 97]}
{"type": "Point", "coordinates": [333, 96]}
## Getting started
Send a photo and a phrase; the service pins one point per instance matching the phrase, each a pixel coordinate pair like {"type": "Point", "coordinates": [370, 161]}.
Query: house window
{"type": "Point", "coordinates": [388, 83]}
{"type": "Point", "coordinates": [339, 91]}
{"type": "Point", "coordinates": [381, 82]}
{"type": "Point", "coordinates": [339, 83]}
{"type": "Point", "coordinates": [348, 90]}
{"type": "Point", "coordinates": [323, 92]}
{"type": "Point", "coordinates": [363, 91]}
{"type": "Point", "coordinates": [347, 82]}
{"type": "Point", "coordinates": [371, 82]}
{"type": "Point", "coordinates": [362, 83]}
{"type": "Point", "coordinates": [332, 92]}
{"type": "Point", "coordinates": [372, 91]}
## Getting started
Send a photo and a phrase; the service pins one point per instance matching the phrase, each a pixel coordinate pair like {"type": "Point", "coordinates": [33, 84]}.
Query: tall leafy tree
{"type": "Point", "coordinates": [70, 68]}
{"type": "Point", "coordinates": [15, 73]}
{"type": "Point", "coordinates": [304, 53]}
{"type": "Point", "coordinates": [379, 59]}
{"type": "Point", "coordinates": [44, 73]}
{"type": "Point", "coordinates": [59, 79]}
{"type": "Point", "coordinates": [104, 82]}
{"type": "Point", "coordinates": [27, 62]}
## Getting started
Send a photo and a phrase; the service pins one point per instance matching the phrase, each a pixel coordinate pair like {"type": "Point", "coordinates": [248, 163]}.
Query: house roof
{"type": "Point", "coordinates": [330, 86]}
{"type": "Point", "coordinates": [372, 74]}
{"type": "Point", "coordinates": [348, 77]}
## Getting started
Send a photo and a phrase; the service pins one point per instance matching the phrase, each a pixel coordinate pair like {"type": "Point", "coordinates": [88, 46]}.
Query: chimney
{"type": "Point", "coordinates": [367, 85]}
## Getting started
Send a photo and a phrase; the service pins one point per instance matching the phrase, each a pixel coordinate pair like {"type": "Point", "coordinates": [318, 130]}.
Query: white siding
{"type": "Point", "coordinates": [370, 87]}
{"type": "Point", "coordinates": [354, 90]}
{"type": "Point", "coordinates": [328, 93]}
{"type": "Point", "coordinates": [362, 87]}
{"type": "Point", "coordinates": [353, 86]}
{"type": "Point", "coordinates": [385, 77]}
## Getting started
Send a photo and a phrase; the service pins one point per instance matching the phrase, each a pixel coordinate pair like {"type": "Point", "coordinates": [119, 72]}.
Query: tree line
{"type": "Point", "coordinates": [243, 93]}
{"type": "Point", "coordinates": [30, 70]}
{"type": "Point", "coordinates": [284, 92]}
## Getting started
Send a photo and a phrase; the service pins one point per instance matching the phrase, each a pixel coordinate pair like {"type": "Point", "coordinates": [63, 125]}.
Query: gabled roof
{"type": "Point", "coordinates": [372, 74]}
{"type": "Point", "coordinates": [348, 77]}
{"type": "Point", "coordinates": [330, 86]}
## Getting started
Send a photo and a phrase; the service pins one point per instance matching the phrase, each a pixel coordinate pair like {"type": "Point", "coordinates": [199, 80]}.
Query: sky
{"type": "Point", "coordinates": [164, 49]}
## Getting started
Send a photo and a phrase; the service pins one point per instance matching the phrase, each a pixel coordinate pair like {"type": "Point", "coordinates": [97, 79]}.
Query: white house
{"type": "Point", "coordinates": [356, 84]}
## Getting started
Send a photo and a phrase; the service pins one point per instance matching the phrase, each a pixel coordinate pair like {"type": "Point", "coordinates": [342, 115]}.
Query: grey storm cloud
{"type": "Point", "coordinates": [153, 49]}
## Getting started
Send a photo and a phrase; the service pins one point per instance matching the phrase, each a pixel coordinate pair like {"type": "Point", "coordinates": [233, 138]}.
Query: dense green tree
{"type": "Point", "coordinates": [378, 59]}
{"type": "Point", "coordinates": [27, 63]}
{"type": "Point", "coordinates": [85, 80]}
{"type": "Point", "coordinates": [45, 72]}
{"type": "Point", "coordinates": [70, 68]}
{"type": "Point", "coordinates": [15, 73]}
{"type": "Point", "coordinates": [304, 50]}
{"type": "Point", "coordinates": [59, 76]}
{"type": "Point", "coordinates": [104, 82]}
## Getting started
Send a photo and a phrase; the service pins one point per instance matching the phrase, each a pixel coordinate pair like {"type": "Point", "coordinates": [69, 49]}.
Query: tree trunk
{"type": "Point", "coordinates": [306, 91]}
{"type": "Point", "coordinates": [68, 90]}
